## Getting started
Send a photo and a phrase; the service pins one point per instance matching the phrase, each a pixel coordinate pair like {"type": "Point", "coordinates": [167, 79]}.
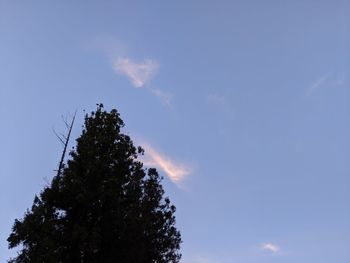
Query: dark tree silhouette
{"type": "Point", "coordinates": [103, 207]}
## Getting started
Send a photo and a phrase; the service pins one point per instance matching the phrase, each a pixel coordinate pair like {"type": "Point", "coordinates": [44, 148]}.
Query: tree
{"type": "Point", "coordinates": [103, 207]}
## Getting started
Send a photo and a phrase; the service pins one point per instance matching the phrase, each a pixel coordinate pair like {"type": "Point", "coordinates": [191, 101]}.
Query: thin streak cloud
{"type": "Point", "coordinates": [270, 247]}
{"type": "Point", "coordinates": [317, 84]}
{"type": "Point", "coordinates": [176, 172]}
{"type": "Point", "coordinates": [139, 73]}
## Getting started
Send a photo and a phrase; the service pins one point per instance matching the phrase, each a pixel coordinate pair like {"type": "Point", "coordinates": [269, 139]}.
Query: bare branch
{"type": "Point", "coordinates": [64, 119]}
{"type": "Point", "coordinates": [60, 165]}
{"type": "Point", "coordinates": [63, 136]}
{"type": "Point", "coordinates": [58, 137]}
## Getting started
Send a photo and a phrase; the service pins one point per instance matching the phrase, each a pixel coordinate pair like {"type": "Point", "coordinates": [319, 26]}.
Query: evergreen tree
{"type": "Point", "coordinates": [103, 207]}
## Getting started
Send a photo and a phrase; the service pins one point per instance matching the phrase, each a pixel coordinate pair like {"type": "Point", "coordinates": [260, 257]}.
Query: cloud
{"type": "Point", "coordinates": [317, 84]}
{"type": "Point", "coordinates": [138, 73]}
{"type": "Point", "coordinates": [270, 247]}
{"type": "Point", "coordinates": [165, 97]}
{"type": "Point", "coordinates": [174, 171]}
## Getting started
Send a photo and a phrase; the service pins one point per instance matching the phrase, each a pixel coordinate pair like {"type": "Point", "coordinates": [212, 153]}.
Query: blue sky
{"type": "Point", "coordinates": [242, 105]}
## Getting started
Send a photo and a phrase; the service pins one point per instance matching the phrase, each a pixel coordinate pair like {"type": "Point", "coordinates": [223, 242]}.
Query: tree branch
{"type": "Point", "coordinates": [60, 165]}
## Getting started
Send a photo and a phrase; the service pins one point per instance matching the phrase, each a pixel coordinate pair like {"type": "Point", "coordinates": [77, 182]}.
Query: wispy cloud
{"type": "Point", "coordinates": [165, 97]}
{"type": "Point", "coordinates": [139, 73]}
{"type": "Point", "coordinates": [317, 84]}
{"type": "Point", "coordinates": [270, 247]}
{"type": "Point", "coordinates": [176, 172]}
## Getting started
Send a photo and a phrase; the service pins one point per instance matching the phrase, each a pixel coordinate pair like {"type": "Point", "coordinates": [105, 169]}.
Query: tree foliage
{"type": "Point", "coordinates": [104, 207]}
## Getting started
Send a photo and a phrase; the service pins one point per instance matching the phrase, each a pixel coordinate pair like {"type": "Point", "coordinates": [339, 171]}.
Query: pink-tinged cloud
{"type": "Point", "coordinates": [270, 247]}
{"type": "Point", "coordinates": [138, 73]}
{"type": "Point", "coordinates": [174, 171]}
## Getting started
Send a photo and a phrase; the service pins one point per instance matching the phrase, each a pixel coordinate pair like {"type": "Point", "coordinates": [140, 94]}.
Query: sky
{"type": "Point", "coordinates": [243, 106]}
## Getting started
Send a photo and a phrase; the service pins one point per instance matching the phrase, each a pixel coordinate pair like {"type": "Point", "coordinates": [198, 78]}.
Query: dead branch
{"type": "Point", "coordinates": [69, 127]}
